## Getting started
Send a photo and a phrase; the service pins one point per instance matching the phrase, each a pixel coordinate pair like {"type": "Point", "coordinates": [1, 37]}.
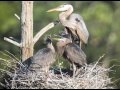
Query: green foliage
{"type": "Point", "coordinates": [101, 18]}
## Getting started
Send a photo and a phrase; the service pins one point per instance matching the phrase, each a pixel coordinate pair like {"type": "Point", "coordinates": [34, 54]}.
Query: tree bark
{"type": "Point", "coordinates": [27, 29]}
{"type": "Point", "coordinates": [27, 41]}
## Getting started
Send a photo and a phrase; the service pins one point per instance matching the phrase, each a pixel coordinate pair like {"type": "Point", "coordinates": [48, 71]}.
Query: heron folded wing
{"type": "Point", "coordinates": [82, 31]}
{"type": "Point", "coordinates": [75, 54]}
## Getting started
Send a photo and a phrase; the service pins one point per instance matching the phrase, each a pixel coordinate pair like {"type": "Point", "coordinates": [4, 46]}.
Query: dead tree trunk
{"type": "Point", "coordinates": [27, 41]}
{"type": "Point", "coordinates": [27, 29]}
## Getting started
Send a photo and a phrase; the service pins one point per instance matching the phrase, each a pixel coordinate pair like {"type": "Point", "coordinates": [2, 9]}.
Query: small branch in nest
{"type": "Point", "coordinates": [97, 62]}
{"type": "Point", "coordinates": [13, 42]}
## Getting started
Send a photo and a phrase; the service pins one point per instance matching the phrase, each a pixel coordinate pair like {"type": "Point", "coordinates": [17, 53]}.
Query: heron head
{"type": "Point", "coordinates": [48, 40]}
{"type": "Point", "coordinates": [61, 8]}
{"type": "Point", "coordinates": [64, 34]}
{"type": "Point", "coordinates": [63, 39]}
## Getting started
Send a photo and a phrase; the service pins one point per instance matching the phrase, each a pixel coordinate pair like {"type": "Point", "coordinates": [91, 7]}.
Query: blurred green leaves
{"type": "Point", "coordinates": [102, 19]}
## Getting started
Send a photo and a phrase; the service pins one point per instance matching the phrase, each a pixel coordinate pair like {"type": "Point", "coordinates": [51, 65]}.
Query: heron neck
{"type": "Point", "coordinates": [60, 49]}
{"type": "Point", "coordinates": [64, 15]}
{"type": "Point", "coordinates": [51, 47]}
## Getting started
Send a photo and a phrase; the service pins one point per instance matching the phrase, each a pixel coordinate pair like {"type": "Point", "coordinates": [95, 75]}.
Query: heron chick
{"type": "Point", "coordinates": [73, 23]}
{"type": "Point", "coordinates": [70, 51]}
{"type": "Point", "coordinates": [43, 59]}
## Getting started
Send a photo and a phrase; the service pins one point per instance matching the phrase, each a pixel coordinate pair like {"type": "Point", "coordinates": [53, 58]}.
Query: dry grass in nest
{"type": "Point", "coordinates": [92, 76]}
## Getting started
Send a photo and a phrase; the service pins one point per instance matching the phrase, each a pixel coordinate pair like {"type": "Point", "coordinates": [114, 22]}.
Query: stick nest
{"type": "Point", "coordinates": [91, 76]}
{"type": "Point", "coordinates": [88, 77]}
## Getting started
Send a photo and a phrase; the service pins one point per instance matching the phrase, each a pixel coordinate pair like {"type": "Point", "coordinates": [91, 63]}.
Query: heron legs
{"type": "Point", "coordinates": [80, 44]}
{"type": "Point", "coordinates": [74, 70]}
{"type": "Point", "coordinates": [47, 71]}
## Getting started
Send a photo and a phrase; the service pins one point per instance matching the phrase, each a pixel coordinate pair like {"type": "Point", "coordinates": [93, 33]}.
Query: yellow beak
{"type": "Point", "coordinates": [51, 10]}
{"type": "Point", "coordinates": [56, 39]}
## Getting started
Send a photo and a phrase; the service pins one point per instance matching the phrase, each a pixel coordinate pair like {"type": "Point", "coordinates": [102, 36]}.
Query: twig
{"type": "Point", "coordinates": [13, 82]}
{"type": "Point", "coordinates": [11, 58]}
{"type": "Point", "coordinates": [2, 84]}
{"type": "Point", "coordinates": [13, 42]}
{"type": "Point", "coordinates": [97, 62]}
{"type": "Point", "coordinates": [12, 55]}
{"type": "Point", "coordinates": [17, 16]}
{"type": "Point", "coordinates": [42, 31]}
{"type": "Point", "coordinates": [9, 73]}
{"type": "Point", "coordinates": [4, 60]}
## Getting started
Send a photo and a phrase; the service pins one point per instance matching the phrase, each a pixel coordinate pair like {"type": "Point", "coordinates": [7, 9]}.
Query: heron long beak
{"type": "Point", "coordinates": [51, 10]}
{"type": "Point", "coordinates": [57, 39]}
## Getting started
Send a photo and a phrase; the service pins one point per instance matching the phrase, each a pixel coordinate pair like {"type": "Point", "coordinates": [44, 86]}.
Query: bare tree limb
{"type": "Point", "coordinates": [13, 42]}
{"type": "Point", "coordinates": [42, 31]}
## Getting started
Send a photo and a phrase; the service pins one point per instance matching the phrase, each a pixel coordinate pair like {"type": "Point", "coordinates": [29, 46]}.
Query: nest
{"type": "Point", "coordinates": [88, 77]}
{"type": "Point", "coordinates": [92, 76]}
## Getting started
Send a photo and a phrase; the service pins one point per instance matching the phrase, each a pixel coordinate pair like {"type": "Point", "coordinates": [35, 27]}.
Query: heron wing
{"type": "Point", "coordinates": [82, 31]}
{"type": "Point", "coordinates": [81, 28]}
{"type": "Point", "coordinates": [43, 57]}
{"type": "Point", "coordinates": [75, 54]}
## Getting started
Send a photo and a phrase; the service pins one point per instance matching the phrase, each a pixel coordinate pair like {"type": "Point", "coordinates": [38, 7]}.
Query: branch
{"type": "Point", "coordinates": [17, 16]}
{"type": "Point", "coordinates": [42, 31]}
{"type": "Point", "coordinates": [13, 42]}
{"type": "Point", "coordinates": [97, 62]}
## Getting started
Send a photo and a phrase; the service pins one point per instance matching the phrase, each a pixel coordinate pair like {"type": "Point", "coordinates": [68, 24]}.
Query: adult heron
{"type": "Point", "coordinates": [73, 23]}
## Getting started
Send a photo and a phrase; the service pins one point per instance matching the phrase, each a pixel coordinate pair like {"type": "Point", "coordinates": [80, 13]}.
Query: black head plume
{"type": "Point", "coordinates": [64, 35]}
{"type": "Point", "coordinates": [48, 39]}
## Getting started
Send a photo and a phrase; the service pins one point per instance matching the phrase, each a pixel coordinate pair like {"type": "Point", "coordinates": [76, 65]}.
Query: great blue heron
{"type": "Point", "coordinates": [42, 59]}
{"type": "Point", "coordinates": [73, 23]}
{"type": "Point", "coordinates": [71, 51]}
